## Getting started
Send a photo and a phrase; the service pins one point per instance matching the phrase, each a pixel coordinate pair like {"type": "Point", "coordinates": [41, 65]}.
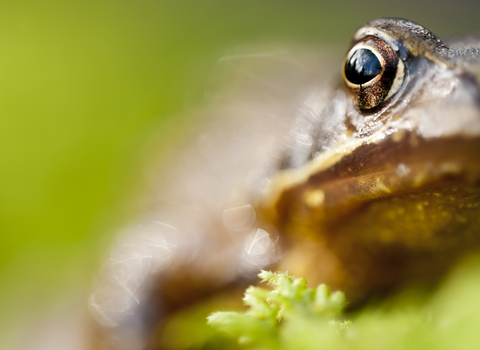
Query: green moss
{"type": "Point", "coordinates": [279, 318]}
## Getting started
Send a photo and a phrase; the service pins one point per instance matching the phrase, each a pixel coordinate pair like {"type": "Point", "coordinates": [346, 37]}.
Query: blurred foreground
{"type": "Point", "coordinates": [298, 317]}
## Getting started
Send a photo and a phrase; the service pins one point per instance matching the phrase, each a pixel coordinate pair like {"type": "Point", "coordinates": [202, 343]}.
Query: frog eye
{"type": "Point", "coordinates": [373, 72]}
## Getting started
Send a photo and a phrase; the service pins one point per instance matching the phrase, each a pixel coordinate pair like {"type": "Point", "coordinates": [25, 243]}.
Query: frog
{"type": "Point", "coordinates": [368, 181]}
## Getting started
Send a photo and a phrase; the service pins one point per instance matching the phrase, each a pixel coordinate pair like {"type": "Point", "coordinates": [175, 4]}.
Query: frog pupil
{"type": "Point", "coordinates": [362, 67]}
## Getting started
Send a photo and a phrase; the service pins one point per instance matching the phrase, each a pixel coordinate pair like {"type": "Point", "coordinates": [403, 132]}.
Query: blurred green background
{"type": "Point", "coordinates": [84, 83]}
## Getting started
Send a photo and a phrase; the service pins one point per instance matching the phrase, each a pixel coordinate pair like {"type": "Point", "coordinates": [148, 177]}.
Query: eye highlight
{"type": "Point", "coordinates": [373, 72]}
{"type": "Point", "coordinates": [362, 67]}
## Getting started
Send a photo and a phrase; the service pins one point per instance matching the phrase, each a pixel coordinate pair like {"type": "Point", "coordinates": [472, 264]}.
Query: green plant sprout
{"type": "Point", "coordinates": [275, 317]}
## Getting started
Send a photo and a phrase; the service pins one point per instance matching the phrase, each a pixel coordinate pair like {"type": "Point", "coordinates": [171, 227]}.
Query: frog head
{"type": "Point", "coordinates": [380, 187]}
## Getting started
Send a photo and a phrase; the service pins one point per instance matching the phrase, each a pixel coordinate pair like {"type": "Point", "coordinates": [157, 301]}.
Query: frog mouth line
{"type": "Point", "coordinates": [372, 171]}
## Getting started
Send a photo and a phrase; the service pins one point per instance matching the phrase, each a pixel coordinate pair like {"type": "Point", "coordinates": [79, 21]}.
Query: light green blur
{"type": "Point", "coordinates": [84, 83]}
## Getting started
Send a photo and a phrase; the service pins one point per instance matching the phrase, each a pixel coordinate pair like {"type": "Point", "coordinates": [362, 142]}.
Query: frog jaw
{"type": "Point", "coordinates": [386, 214]}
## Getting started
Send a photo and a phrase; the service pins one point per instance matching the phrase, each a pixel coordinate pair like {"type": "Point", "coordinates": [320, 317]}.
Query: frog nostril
{"type": "Point", "coordinates": [362, 66]}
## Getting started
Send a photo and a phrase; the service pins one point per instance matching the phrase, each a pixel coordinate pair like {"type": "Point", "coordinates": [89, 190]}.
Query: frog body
{"type": "Point", "coordinates": [395, 198]}
{"type": "Point", "coordinates": [365, 187]}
